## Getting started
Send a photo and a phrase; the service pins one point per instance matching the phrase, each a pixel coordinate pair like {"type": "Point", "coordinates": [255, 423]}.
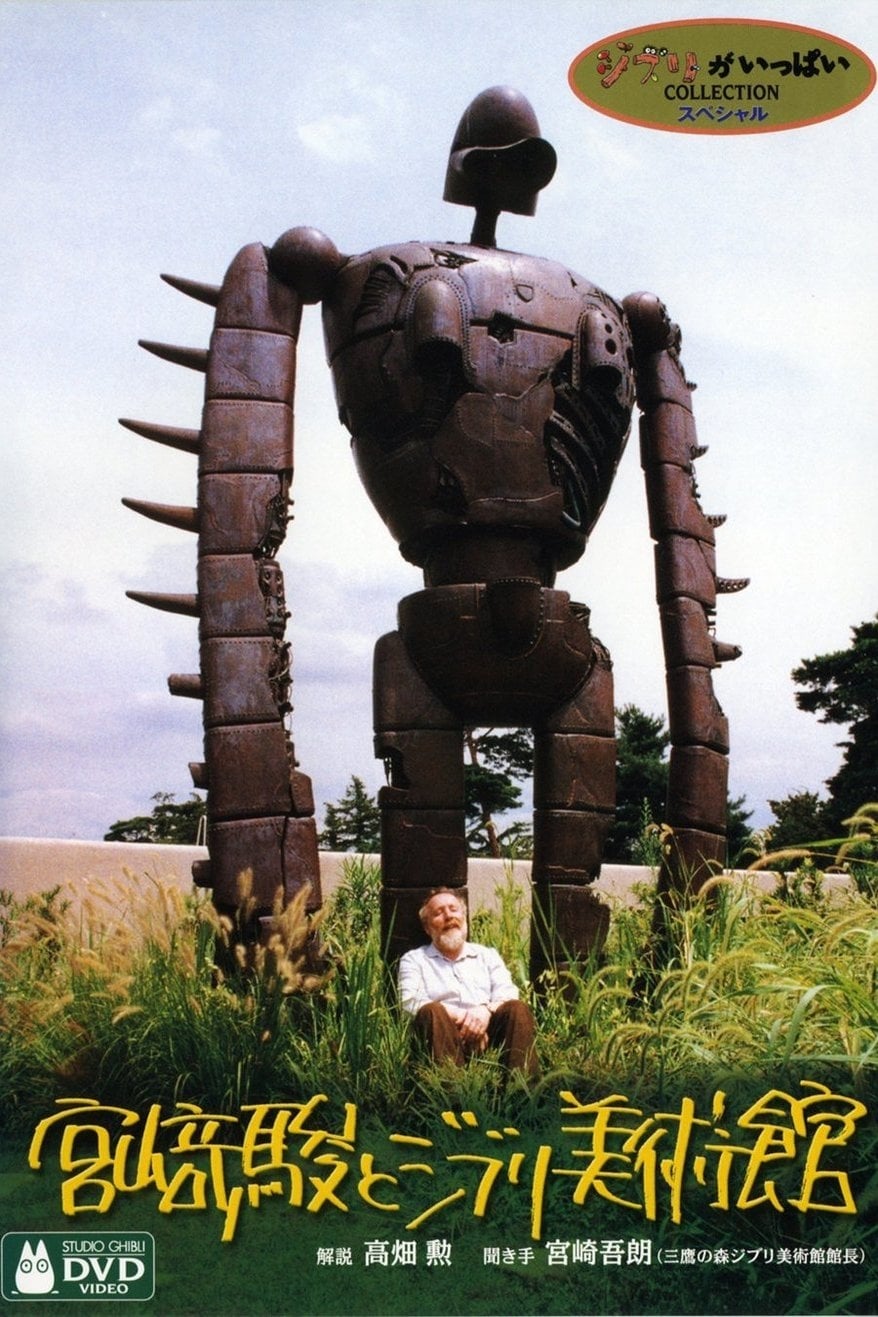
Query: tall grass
{"type": "Point", "coordinates": [129, 1004]}
{"type": "Point", "coordinates": [799, 869]}
{"type": "Point", "coordinates": [126, 1004]}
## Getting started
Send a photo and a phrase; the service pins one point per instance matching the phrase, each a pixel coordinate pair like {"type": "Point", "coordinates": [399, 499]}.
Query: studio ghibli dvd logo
{"type": "Point", "coordinates": [722, 76]}
{"type": "Point", "coordinates": [75, 1267]}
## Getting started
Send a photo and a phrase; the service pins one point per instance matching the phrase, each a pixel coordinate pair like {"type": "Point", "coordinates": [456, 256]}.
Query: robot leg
{"type": "Point", "coordinates": [574, 800]}
{"type": "Point", "coordinates": [423, 835]}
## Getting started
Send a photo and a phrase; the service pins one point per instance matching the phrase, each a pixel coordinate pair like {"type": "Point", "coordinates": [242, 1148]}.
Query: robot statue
{"type": "Point", "coordinates": [488, 396]}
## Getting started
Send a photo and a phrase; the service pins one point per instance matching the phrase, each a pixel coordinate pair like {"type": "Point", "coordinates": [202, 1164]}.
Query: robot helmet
{"type": "Point", "coordinates": [498, 158]}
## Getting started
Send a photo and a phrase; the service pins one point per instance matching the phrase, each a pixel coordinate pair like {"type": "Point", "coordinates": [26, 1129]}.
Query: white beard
{"type": "Point", "coordinates": [452, 940]}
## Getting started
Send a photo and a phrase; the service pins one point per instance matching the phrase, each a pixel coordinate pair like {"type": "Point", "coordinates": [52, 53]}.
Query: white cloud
{"type": "Point", "coordinates": [340, 138]}
{"type": "Point", "coordinates": [378, 96]}
{"type": "Point", "coordinates": [185, 117]}
{"type": "Point", "coordinates": [198, 140]}
{"type": "Point", "coordinates": [158, 114]}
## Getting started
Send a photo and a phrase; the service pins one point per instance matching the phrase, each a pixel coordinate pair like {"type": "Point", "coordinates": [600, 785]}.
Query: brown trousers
{"type": "Point", "coordinates": [511, 1028]}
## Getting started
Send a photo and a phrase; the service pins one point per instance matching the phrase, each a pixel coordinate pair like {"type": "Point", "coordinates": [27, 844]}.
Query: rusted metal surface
{"type": "Point", "coordinates": [260, 807]}
{"type": "Point", "coordinates": [488, 395]}
{"type": "Point", "coordinates": [686, 588]}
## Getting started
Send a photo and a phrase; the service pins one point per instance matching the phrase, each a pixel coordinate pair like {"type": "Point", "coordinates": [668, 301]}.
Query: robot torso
{"type": "Point", "coordinates": [484, 391]}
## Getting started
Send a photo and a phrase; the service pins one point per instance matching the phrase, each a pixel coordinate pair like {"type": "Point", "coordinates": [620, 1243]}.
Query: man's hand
{"type": "Point", "coordinates": [472, 1025]}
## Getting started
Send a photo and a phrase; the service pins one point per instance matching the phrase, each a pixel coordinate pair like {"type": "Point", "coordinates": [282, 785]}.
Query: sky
{"type": "Point", "coordinates": [142, 137]}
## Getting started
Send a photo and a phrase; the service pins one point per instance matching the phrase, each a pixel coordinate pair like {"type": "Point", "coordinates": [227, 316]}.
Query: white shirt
{"type": "Point", "coordinates": [478, 976]}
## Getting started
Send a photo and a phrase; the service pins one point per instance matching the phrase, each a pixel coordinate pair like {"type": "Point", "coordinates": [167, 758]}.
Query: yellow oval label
{"type": "Point", "coordinates": [722, 76]}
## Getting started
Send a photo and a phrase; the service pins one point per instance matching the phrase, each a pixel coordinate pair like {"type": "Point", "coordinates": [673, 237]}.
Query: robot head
{"type": "Point", "coordinates": [498, 160]}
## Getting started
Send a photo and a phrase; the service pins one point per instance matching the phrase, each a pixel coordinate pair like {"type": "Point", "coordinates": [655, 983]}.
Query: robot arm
{"type": "Point", "coordinates": [686, 586]}
{"type": "Point", "coordinates": [260, 811]}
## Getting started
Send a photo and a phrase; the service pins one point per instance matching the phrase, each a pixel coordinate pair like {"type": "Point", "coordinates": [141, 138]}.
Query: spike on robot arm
{"type": "Point", "coordinates": [686, 588]}
{"type": "Point", "coordinates": [259, 806]}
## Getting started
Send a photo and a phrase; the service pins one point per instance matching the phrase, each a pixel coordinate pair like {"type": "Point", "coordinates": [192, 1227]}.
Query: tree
{"type": "Point", "coordinates": [738, 831]}
{"type": "Point", "coordinates": [171, 823]}
{"type": "Point", "coordinates": [496, 762]}
{"type": "Point", "coordinates": [354, 823]}
{"type": "Point", "coordinates": [642, 742]}
{"type": "Point", "coordinates": [843, 688]}
{"type": "Point", "coordinates": [800, 819]}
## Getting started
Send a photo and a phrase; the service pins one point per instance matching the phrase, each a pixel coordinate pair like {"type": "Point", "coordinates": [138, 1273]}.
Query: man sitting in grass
{"type": "Point", "coordinates": [461, 994]}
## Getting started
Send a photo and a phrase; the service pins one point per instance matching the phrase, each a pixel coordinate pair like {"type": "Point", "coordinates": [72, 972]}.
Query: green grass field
{"type": "Point", "coordinates": [711, 1150]}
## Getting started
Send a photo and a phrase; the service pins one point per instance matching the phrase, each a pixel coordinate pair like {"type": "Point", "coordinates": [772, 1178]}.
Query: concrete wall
{"type": "Point", "coordinates": [29, 865]}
